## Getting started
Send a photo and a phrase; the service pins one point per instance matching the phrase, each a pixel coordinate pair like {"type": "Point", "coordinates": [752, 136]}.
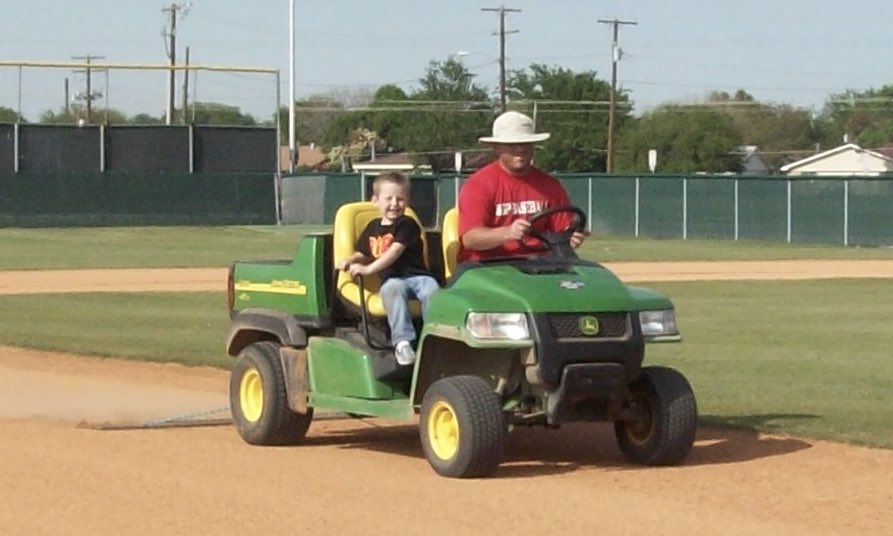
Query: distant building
{"type": "Point", "coordinates": [752, 161]}
{"type": "Point", "coordinates": [309, 157]}
{"type": "Point", "coordinates": [848, 159]}
{"type": "Point", "coordinates": [390, 162]}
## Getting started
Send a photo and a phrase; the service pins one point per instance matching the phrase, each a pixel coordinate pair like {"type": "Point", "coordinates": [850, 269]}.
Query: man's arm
{"type": "Point", "coordinates": [483, 238]}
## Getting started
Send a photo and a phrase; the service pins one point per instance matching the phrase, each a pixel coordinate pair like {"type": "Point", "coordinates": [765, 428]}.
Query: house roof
{"type": "Point", "coordinates": [309, 156]}
{"type": "Point", "coordinates": [386, 162]}
{"type": "Point", "coordinates": [832, 152]}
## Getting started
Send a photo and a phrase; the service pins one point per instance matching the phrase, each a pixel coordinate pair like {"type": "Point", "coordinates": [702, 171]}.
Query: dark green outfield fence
{"type": "Point", "coordinates": [825, 210]}
{"type": "Point", "coordinates": [65, 175]}
{"type": "Point", "coordinates": [62, 175]}
{"type": "Point", "coordinates": [110, 199]}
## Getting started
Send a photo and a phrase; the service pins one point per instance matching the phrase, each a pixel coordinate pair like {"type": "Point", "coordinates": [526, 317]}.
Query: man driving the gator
{"type": "Point", "coordinates": [496, 202]}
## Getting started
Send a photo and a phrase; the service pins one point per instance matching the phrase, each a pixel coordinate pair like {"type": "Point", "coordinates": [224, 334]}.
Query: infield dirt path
{"type": "Point", "coordinates": [61, 475]}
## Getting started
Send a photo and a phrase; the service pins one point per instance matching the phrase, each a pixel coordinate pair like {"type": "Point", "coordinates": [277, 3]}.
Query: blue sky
{"type": "Point", "coordinates": [790, 51]}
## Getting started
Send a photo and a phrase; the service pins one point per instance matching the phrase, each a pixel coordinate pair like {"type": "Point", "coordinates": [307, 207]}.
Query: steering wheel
{"type": "Point", "coordinates": [559, 242]}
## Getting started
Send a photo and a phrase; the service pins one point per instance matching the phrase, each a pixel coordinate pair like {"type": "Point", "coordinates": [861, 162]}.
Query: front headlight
{"type": "Point", "coordinates": [511, 326]}
{"type": "Point", "coordinates": [658, 323]}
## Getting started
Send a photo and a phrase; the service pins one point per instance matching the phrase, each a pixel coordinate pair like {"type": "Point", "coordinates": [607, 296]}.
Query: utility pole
{"type": "Point", "coordinates": [615, 58]}
{"type": "Point", "coordinates": [186, 87]}
{"type": "Point", "coordinates": [89, 94]}
{"type": "Point", "coordinates": [502, 10]}
{"type": "Point", "coordinates": [171, 45]}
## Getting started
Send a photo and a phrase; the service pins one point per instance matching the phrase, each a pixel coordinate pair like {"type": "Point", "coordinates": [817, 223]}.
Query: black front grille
{"type": "Point", "coordinates": [568, 325]}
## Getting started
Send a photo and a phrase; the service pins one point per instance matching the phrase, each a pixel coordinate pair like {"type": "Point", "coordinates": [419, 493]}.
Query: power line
{"type": "Point", "coordinates": [502, 10]}
{"type": "Point", "coordinates": [615, 58]}
{"type": "Point", "coordinates": [171, 47]}
{"type": "Point", "coordinates": [88, 95]}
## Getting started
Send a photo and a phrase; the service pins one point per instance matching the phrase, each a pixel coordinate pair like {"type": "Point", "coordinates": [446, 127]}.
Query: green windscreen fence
{"type": "Point", "coordinates": [64, 175]}
{"type": "Point", "coordinates": [43, 200]}
{"type": "Point", "coordinates": [710, 208]}
{"type": "Point", "coordinates": [817, 211]}
{"type": "Point", "coordinates": [762, 209]}
{"type": "Point", "coordinates": [870, 212]}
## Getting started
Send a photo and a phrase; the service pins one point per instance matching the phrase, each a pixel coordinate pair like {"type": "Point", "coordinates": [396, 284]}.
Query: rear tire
{"type": "Point", "coordinates": [462, 428]}
{"type": "Point", "coordinates": [664, 432]}
{"type": "Point", "coordinates": [258, 399]}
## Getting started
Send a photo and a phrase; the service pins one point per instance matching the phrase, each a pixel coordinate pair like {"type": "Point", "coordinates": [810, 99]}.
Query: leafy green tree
{"type": "Point", "coordinates": [213, 113]}
{"type": "Point", "coordinates": [146, 119]}
{"type": "Point", "coordinates": [450, 113]}
{"type": "Point", "coordinates": [447, 113]}
{"type": "Point", "coordinates": [314, 114]}
{"type": "Point", "coordinates": [864, 117]}
{"type": "Point", "coordinates": [573, 107]}
{"type": "Point", "coordinates": [77, 113]}
{"type": "Point", "coordinates": [8, 115]}
{"type": "Point", "coordinates": [782, 132]}
{"type": "Point", "coordinates": [688, 139]}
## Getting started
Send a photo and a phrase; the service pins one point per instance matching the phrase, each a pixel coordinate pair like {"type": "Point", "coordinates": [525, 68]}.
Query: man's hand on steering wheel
{"type": "Point", "coordinates": [561, 243]}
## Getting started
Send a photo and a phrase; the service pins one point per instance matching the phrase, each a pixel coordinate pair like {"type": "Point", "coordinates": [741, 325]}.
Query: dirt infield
{"type": "Point", "coordinates": [62, 475]}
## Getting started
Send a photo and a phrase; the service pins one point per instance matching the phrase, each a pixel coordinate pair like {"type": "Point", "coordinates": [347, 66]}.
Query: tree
{"type": "Point", "coordinates": [146, 119]}
{"type": "Point", "coordinates": [450, 113]}
{"type": "Point", "coordinates": [782, 132]}
{"type": "Point", "coordinates": [573, 107]}
{"type": "Point", "coordinates": [314, 115]}
{"type": "Point", "coordinates": [447, 113]}
{"type": "Point", "coordinates": [688, 139]}
{"type": "Point", "coordinates": [77, 113]}
{"type": "Point", "coordinates": [863, 117]}
{"type": "Point", "coordinates": [213, 113]}
{"type": "Point", "coordinates": [8, 115]}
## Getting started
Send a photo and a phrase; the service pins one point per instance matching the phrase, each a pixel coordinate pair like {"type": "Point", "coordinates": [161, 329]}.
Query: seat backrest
{"type": "Point", "coordinates": [449, 235]}
{"type": "Point", "coordinates": [350, 220]}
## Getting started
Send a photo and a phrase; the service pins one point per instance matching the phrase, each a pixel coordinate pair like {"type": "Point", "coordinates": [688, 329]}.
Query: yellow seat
{"type": "Point", "coordinates": [350, 220]}
{"type": "Point", "coordinates": [449, 235]}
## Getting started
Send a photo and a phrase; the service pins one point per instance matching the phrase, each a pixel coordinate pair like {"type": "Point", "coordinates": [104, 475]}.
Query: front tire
{"type": "Point", "coordinates": [258, 399]}
{"type": "Point", "coordinates": [667, 418]}
{"type": "Point", "coordinates": [462, 428]}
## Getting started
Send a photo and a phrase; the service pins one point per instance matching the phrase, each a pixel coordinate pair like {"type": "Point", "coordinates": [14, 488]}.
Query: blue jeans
{"type": "Point", "coordinates": [395, 295]}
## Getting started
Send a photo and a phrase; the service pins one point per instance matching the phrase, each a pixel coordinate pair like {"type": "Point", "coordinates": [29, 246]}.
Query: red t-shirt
{"type": "Point", "coordinates": [493, 197]}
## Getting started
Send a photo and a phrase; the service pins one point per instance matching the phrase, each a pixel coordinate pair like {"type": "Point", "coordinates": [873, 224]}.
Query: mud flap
{"type": "Point", "coordinates": [297, 383]}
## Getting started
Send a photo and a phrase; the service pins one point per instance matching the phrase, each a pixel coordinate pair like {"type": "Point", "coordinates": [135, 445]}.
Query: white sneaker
{"type": "Point", "coordinates": [404, 353]}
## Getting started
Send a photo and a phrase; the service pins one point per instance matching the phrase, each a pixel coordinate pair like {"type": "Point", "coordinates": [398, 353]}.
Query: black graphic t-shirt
{"type": "Point", "coordinates": [377, 238]}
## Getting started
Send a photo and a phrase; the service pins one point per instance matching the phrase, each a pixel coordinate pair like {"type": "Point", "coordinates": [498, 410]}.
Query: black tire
{"type": "Point", "coordinates": [258, 399]}
{"type": "Point", "coordinates": [462, 427]}
{"type": "Point", "coordinates": [667, 422]}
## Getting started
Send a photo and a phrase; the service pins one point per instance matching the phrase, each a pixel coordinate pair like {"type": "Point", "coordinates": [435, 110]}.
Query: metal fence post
{"type": "Point", "coordinates": [102, 148]}
{"type": "Point", "coordinates": [637, 208]}
{"type": "Point", "coordinates": [15, 147]}
{"type": "Point", "coordinates": [685, 208]}
{"type": "Point", "coordinates": [736, 209]}
{"type": "Point", "coordinates": [589, 205]}
{"type": "Point", "coordinates": [789, 212]}
{"type": "Point", "coordinates": [846, 212]}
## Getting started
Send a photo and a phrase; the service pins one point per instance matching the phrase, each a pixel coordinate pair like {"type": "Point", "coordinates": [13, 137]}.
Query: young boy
{"type": "Point", "coordinates": [391, 246]}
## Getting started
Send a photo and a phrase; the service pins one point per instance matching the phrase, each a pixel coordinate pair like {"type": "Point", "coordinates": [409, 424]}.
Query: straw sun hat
{"type": "Point", "coordinates": [514, 127]}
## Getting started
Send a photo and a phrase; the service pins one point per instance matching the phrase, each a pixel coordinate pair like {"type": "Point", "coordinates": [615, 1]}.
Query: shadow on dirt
{"type": "Point", "coordinates": [536, 451]}
{"type": "Point", "coordinates": [730, 439]}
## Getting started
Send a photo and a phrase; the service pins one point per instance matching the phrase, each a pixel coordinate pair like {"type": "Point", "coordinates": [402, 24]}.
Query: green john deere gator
{"type": "Point", "coordinates": [507, 342]}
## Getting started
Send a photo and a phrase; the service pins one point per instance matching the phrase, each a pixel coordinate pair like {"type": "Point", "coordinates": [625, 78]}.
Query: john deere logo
{"type": "Point", "coordinates": [588, 325]}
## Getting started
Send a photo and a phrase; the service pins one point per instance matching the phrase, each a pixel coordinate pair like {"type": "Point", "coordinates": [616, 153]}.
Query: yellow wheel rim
{"type": "Point", "coordinates": [251, 395]}
{"type": "Point", "coordinates": [443, 430]}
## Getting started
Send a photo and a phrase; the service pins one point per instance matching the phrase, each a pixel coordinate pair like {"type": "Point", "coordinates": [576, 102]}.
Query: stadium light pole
{"type": "Point", "coordinates": [292, 150]}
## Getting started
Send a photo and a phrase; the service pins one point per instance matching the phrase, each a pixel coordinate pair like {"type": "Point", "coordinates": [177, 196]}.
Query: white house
{"type": "Point", "coordinates": [752, 161]}
{"type": "Point", "coordinates": [849, 159]}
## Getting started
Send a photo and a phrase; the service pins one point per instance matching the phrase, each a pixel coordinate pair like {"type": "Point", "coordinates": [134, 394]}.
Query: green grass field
{"type": "Point", "coordinates": [807, 358]}
{"type": "Point", "coordinates": [147, 247]}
